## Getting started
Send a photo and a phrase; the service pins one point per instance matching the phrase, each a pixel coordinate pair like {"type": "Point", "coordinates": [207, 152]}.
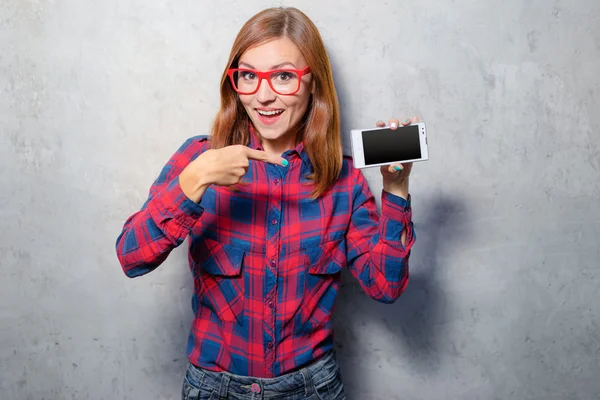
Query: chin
{"type": "Point", "coordinates": [272, 135]}
{"type": "Point", "coordinates": [269, 132]}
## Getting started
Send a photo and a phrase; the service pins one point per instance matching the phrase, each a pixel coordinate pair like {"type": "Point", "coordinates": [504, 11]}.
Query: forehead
{"type": "Point", "coordinates": [273, 53]}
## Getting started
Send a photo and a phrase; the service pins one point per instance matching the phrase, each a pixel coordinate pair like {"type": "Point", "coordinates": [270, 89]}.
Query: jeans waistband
{"type": "Point", "coordinates": [299, 381]}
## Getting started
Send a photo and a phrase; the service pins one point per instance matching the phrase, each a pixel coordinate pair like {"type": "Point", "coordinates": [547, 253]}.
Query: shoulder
{"type": "Point", "coordinates": [353, 180]}
{"type": "Point", "coordinates": [195, 141]}
{"type": "Point", "coordinates": [189, 150]}
{"type": "Point", "coordinates": [194, 145]}
{"type": "Point", "coordinates": [350, 177]}
{"type": "Point", "coordinates": [349, 171]}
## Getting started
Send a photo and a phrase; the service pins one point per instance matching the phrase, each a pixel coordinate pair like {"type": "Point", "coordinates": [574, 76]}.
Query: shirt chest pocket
{"type": "Point", "coordinates": [222, 278]}
{"type": "Point", "coordinates": [324, 263]}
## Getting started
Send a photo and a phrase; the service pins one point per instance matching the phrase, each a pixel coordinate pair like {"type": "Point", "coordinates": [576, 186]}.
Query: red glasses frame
{"type": "Point", "coordinates": [267, 75]}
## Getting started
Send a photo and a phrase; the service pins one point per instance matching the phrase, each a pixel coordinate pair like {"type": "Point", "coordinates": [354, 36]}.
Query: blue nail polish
{"type": "Point", "coordinates": [285, 163]}
{"type": "Point", "coordinates": [397, 168]}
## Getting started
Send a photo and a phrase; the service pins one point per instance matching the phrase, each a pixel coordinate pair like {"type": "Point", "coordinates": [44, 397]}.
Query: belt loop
{"type": "Point", "coordinates": [308, 384]}
{"type": "Point", "coordinates": [224, 386]}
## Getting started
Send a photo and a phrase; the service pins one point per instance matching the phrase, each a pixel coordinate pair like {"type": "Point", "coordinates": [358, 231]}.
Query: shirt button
{"type": "Point", "coordinates": [274, 221]}
{"type": "Point", "coordinates": [271, 305]}
{"type": "Point", "coordinates": [272, 263]}
{"type": "Point", "coordinates": [276, 180]}
{"type": "Point", "coordinates": [270, 345]}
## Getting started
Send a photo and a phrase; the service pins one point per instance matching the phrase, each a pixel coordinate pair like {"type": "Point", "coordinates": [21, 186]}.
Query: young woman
{"type": "Point", "coordinates": [273, 211]}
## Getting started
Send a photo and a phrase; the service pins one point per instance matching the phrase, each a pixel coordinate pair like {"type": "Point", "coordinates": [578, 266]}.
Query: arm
{"type": "Point", "coordinates": [378, 246]}
{"type": "Point", "coordinates": [165, 219]}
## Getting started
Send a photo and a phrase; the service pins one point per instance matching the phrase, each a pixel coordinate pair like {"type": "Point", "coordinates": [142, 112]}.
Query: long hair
{"type": "Point", "coordinates": [321, 127]}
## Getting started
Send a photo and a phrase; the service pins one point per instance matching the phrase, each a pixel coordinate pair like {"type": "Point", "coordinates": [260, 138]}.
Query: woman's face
{"type": "Point", "coordinates": [276, 116]}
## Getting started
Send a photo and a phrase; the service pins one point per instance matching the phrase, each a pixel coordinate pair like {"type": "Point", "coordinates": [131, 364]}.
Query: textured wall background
{"type": "Point", "coordinates": [503, 301]}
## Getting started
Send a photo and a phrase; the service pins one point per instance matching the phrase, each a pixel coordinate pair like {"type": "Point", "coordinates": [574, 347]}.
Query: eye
{"type": "Point", "coordinates": [285, 76]}
{"type": "Point", "coordinates": [248, 75]}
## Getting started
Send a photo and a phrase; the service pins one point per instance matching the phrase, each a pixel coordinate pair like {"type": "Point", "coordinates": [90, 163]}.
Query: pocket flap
{"type": "Point", "coordinates": [327, 258]}
{"type": "Point", "coordinates": [221, 259]}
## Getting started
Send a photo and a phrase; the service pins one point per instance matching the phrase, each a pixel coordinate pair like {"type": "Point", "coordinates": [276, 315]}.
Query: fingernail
{"type": "Point", "coordinates": [398, 168]}
{"type": "Point", "coordinates": [405, 121]}
{"type": "Point", "coordinates": [284, 162]}
{"type": "Point", "coordinates": [394, 125]}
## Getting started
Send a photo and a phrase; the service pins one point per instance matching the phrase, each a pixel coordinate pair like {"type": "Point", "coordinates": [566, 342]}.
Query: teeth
{"type": "Point", "coordinates": [269, 112]}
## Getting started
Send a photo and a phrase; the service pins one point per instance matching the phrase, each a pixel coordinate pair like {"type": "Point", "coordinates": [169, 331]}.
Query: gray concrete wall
{"type": "Point", "coordinates": [503, 301]}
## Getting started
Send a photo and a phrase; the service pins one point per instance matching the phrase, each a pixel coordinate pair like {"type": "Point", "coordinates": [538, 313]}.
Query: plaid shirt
{"type": "Point", "coordinates": [266, 258]}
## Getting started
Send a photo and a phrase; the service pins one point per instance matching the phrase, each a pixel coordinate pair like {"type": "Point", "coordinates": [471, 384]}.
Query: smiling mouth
{"type": "Point", "coordinates": [269, 117]}
{"type": "Point", "coordinates": [269, 113]}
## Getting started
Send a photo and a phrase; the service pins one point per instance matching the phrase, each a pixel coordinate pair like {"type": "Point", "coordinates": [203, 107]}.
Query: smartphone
{"type": "Point", "coordinates": [384, 146]}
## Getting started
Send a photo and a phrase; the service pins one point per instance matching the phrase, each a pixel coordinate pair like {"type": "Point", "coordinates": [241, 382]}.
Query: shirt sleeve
{"type": "Point", "coordinates": [375, 253]}
{"type": "Point", "coordinates": [166, 218]}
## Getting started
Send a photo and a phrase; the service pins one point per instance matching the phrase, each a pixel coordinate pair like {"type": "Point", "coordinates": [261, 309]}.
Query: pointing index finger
{"type": "Point", "coordinates": [260, 155]}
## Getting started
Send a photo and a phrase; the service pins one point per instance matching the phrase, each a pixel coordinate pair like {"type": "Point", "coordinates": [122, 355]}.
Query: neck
{"type": "Point", "coordinates": [280, 145]}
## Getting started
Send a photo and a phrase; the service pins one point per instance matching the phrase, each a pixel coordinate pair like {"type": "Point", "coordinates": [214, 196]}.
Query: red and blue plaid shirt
{"type": "Point", "coordinates": [266, 258]}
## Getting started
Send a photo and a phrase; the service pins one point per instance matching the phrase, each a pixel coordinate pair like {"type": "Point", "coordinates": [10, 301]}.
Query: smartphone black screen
{"type": "Point", "coordinates": [387, 145]}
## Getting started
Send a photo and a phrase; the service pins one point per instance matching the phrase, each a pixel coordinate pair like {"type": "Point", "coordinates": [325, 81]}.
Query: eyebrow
{"type": "Point", "coordinates": [273, 67]}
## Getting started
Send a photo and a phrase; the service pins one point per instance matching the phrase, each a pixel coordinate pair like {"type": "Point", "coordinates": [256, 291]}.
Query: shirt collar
{"type": "Point", "coordinates": [254, 140]}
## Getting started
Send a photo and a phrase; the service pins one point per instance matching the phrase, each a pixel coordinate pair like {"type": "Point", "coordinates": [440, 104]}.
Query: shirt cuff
{"type": "Point", "coordinates": [396, 208]}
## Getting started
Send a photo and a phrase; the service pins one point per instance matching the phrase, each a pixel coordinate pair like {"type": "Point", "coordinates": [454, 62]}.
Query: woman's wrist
{"type": "Point", "coordinates": [398, 187]}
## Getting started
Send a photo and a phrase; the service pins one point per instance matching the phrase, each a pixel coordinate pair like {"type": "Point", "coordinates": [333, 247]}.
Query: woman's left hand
{"type": "Point", "coordinates": [395, 176]}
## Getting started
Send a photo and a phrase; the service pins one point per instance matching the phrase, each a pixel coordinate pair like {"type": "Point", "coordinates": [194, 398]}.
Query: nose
{"type": "Point", "coordinates": [265, 94]}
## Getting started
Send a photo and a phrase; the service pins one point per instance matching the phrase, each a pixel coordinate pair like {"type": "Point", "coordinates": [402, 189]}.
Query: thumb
{"type": "Point", "coordinates": [393, 168]}
{"type": "Point", "coordinates": [260, 155]}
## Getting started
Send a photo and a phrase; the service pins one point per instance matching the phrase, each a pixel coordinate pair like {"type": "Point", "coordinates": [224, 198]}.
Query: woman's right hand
{"type": "Point", "coordinates": [222, 167]}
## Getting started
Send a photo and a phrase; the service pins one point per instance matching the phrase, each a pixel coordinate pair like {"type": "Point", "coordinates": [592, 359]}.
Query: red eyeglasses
{"type": "Point", "coordinates": [282, 81]}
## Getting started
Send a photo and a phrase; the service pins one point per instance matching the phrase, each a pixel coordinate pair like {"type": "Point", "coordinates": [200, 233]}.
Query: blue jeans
{"type": "Point", "coordinates": [319, 381]}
